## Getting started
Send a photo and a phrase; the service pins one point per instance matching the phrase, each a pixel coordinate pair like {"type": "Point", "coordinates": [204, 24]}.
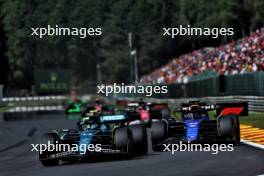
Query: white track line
{"type": "Point", "coordinates": [252, 144]}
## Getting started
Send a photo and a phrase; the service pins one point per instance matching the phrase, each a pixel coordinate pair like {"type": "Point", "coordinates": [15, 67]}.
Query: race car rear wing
{"type": "Point", "coordinates": [114, 118]}
{"type": "Point", "coordinates": [121, 102]}
{"type": "Point", "coordinates": [236, 108]}
{"type": "Point", "coordinates": [196, 107]}
{"type": "Point", "coordinates": [103, 119]}
{"type": "Point", "coordinates": [158, 106]}
{"type": "Point", "coordinates": [156, 110]}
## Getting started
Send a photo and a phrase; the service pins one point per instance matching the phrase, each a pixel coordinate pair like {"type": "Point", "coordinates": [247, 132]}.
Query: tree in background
{"type": "Point", "coordinates": [110, 52]}
{"type": "Point", "coordinates": [3, 59]}
{"type": "Point", "coordinates": [258, 14]}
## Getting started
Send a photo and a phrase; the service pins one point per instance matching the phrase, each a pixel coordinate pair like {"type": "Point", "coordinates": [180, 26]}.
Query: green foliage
{"type": "Point", "coordinates": [254, 119]}
{"type": "Point", "coordinates": [143, 18]}
{"type": "Point", "coordinates": [258, 18]}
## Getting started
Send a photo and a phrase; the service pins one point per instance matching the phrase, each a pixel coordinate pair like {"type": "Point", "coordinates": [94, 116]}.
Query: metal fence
{"type": "Point", "coordinates": [245, 84]}
{"type": "Point", "coordinates": [36, 98]}
{"type": "Point", "coordinates": [1, 94]}
{"type": "Point", "coordinates": [255, 103]}
{"type": "Point", "coordinates": [248, 84]}
{"type": "Point", "coordinates": [240, 87]}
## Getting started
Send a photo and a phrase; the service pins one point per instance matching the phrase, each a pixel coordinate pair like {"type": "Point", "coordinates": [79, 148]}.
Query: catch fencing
{"type": "Point", "coordinates": [239, 87]}
{"type": "Point", "coordinates": [255, 103]}
{"type": "Point", "coordinates": [248, 84]}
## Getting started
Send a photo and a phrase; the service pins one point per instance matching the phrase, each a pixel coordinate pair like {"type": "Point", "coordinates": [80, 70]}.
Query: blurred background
{"type": "Point", "coordinates": [29, 65]}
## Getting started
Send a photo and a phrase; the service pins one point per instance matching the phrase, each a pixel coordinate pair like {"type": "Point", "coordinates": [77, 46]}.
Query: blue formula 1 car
{"type": "Point", "coordinates": [196, 125]}
{"type": "Point", "coordinates": [97, 135]}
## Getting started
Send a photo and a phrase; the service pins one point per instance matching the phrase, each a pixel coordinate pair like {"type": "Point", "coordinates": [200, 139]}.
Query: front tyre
{"type": "Point", "coordinates": [46, 139]}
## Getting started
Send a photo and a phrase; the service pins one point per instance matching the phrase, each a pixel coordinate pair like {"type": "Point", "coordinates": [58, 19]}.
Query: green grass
{"type": "Point", "coordinates": [254, 119]}
{"type": "Point", "coordinates": [4, 109]}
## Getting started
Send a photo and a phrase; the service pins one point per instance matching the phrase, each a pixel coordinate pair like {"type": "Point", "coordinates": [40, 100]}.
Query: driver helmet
{"type": "Point", "coordinates": [189, 116]}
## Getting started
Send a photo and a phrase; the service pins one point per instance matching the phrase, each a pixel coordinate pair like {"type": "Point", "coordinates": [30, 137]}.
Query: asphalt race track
{"type": "Point", "coordinates": [17, 159]}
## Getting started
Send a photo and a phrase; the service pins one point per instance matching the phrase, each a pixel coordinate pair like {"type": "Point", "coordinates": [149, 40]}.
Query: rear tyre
{"type": "Point", "coordinates": [45, 139]}
{"type": "Point", "coordinates": [236, 139]}
{"type": "Point", "coordinates": [123, 140]}
{"type": "Point", "coordinates": [226, 126]}
{"type": "Point", "coordinates": [159, 132]}
{"type": "Point", "coordinates": [229, 128]}
{"type": "Point", "coordinates": [139, 135]}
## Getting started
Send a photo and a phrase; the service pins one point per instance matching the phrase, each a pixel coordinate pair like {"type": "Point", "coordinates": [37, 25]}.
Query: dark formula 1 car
{"type": "Point", "coordinates": [96, 135]}
{"type": "Point", "coordinates": [145, 113]}
{"type": "Point", "coordinates": [104, 109]}
{"type": "Point", "coordinates": [91, 110]}
{"type": "Point", "coordinates": [72, 106]}
{"type": "Point", "coordinates": [196, 126]}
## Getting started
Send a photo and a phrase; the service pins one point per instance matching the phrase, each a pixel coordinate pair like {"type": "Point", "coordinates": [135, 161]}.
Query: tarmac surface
{"type": "Point", "coordinates": [18, 131]}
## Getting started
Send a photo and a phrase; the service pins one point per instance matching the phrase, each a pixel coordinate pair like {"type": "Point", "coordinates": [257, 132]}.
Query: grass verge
{"type": "Point", "coordinates": [4, 108]}
{"type": "Point", "coordinates": [254, 119]}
